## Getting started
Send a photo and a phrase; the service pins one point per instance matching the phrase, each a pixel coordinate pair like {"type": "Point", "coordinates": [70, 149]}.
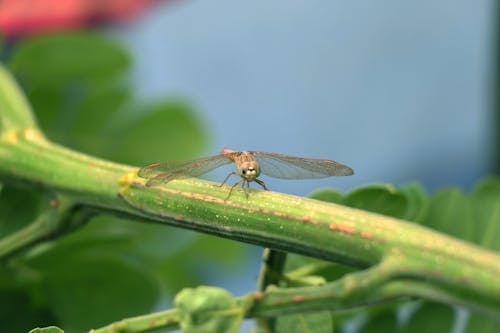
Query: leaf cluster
{"type": "Point", "coordinates": [448, 210]}
{"type": "Point", "coordinates": [111, 268]}
{"type": "Point", "coordinates": [470, 216]}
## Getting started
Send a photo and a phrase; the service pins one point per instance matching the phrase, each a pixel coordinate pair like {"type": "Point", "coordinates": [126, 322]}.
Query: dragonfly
{"type": "Point", "coordinates": [249, 166]}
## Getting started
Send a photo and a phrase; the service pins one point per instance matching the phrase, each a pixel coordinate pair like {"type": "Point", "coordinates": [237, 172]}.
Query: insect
{"type": "Point", "coordinates": [249, 166]}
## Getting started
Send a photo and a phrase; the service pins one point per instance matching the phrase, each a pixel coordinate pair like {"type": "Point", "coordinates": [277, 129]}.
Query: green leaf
{"type": "Point", "coordinates": [72, 81]}
{"type": "Point", "coordinates": [328, 195]}
{"type": "Point", "coordinates": [88, 128]}
{"type": "Point", "coordinates": [220, 251]}
{"type": "Point", "coordinates": [155, 253]}
{"type": "Point", "coordinates": [416, 200]}
{"type": "Point", "coordinates": [165, 130]}
{"type": "Point", "coordinates": [430, 317]}
{"type": "Point", "coordinates": [481, 324]}
{"type": "Point", "coordinates": [407, 201]}
{"type": "Point", "coordinates": [207, 309]}
{"type": "Point", "coordinates": [90, 292]}
{"type": "Point", "coordinates": [300, 267]}
{"type": "Point", "coordinates": [427, 317]}
{"type": "Point", "coordinates": [96, 271]}
{"type": "Point", "coordinates": [318, 322]}
{"type": "Point", "coordinates": [18, 208]}
{"type": "Point", "coordinates": [379, 198]}
{"type": "Point", "coordinates": [381, 322]}
{"type": "Point", "coordinates": [49, 329]}
{"type": "Point", "coordinates": [20, 309]}
{"type": "Point", "coordinates": [486, 200]}
{"type": "Point", "coordinates": [450, 211]}
{"type": "Point", "coordinates": [59, 58]}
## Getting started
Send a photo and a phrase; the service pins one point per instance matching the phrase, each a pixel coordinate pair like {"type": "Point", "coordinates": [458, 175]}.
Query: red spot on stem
{"type": "Point", "coordinates": [297, 298]}
{"type": "Point", "coordinates": [343, 228]}
{"type": "Point", "coordinates": [366, 234]}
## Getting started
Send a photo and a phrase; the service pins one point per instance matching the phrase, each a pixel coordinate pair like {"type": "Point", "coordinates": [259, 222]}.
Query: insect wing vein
{"type": "Point", "coordinates": [290, 167]}
{"type": "Point", "coordinates": [163, 172]}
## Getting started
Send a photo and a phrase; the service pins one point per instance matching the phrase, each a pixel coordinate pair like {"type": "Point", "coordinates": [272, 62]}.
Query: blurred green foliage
{"type": "Point", "coordinates": [50, 329]}
{"type": "Point", "coordinates": [113, 268]}
{"type": "Point", "coordinates": [318, 322]}
{"type": "Point", "coordinates": [204, 309]}
{"type": "Point", "coordinates": [78, 86]}
{"type": "Point", "coordinates": [472, 217]}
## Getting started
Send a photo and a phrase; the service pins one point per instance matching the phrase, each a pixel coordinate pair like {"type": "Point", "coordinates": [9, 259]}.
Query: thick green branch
{"type": "Point", "coordinates": [278, 221]}
{"type": "Point", "coordinates": [454, 270]}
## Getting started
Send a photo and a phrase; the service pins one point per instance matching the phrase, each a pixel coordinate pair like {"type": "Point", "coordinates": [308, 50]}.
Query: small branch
{"type": "Point", "coordinates": [165, 320]}
{"type": "Point", "coordinates": [353, 290]}
{"type": "Point", "coordinates": [15, 111]}
{"type": "Point", "coordinates": [271, 272]}
{"type": "Point", "coordinates": [307, 270]}
{"type": "Point", "coordinates": [273, 264]}
{"type": "Point", "coordinates": [45, 224]}
{"type": "Point", "coordinates": [57, 217]}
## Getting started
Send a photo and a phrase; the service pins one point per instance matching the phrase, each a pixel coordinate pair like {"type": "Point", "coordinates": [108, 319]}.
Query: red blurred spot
{"type": "Point", "coordinates": [25, 17]}
{"type": "Point", "coordinates": [366, 234]}
{"type": "Point", "coordinates": [343, 228]}
{"type": "Point", "coordinates": [297, 298]}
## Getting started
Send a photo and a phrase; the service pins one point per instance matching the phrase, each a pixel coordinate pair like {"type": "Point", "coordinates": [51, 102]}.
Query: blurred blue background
{"type": "Point", "coordinates": [397, 90]}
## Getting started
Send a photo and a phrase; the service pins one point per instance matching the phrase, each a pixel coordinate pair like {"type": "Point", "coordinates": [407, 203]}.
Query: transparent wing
{"type": "Point", "coordinates": [289, 167]}
{"type": "Point", "coordinates": [163, 172]}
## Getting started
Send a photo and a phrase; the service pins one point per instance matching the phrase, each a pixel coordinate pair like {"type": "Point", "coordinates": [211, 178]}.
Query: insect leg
{"type": "Point", "coordinates": [261, 183]}
{"type": "Point", "coordinates": [243, 187]}
{"type": "Point", "coordinates": [227, 177]}
{"type": "Point", "coordinates": [232, 187]}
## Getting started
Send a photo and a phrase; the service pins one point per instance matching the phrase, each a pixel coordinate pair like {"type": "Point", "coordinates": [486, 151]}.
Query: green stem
{"type": "Point", "coordinates": [57, 217]}
{"type": "Point", "coordinates": [271, 272]}
{"type": "Point", "coordinates": [353, 290]}
{"type": "Point", "coordinates": [278, 221]}
{"type": "Point", "coordinates": [54, 218]}
{"type": "Point", "coordinates": [273, 265]}
{"type": "Point", "coordinates": [15, 111]}
{"type": "Point", "coordinates": [408, 252]}
{"type": "Point", "coordinates": [165, 320]}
